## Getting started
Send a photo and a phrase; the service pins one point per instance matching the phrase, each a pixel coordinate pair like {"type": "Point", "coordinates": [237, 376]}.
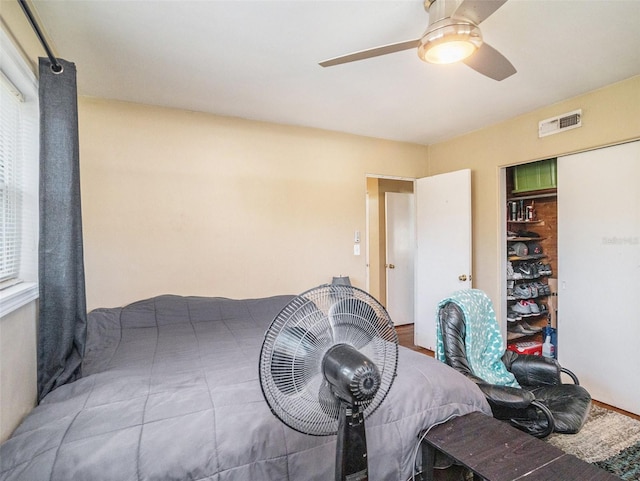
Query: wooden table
{"type": "Point", "coordinates": [495, 451]}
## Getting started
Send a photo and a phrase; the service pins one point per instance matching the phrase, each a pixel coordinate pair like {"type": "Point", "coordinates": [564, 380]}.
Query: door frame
{"type": "Point", "coordinates": [371, 237]}
{"type": "Point", "coordinates": [501, 307]}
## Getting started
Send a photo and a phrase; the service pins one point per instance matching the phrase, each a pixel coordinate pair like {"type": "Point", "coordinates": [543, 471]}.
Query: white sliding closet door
{"type": "Point", "coordinates": [599, 272]}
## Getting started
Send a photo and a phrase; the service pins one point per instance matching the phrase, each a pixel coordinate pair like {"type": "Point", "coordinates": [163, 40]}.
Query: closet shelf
{"type": "Point", "coordinates": [527, 258]}
{"type": "Point", "coordinates": [512, 336]}
{"type": "Point", "coordinates": [525, 239]}
{"type": "Point", "coordinates": [540, 195]}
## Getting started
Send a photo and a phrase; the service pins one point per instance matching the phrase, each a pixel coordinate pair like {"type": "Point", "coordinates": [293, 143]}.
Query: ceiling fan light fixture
{"type": "Point", "coordinates": [450, 43]}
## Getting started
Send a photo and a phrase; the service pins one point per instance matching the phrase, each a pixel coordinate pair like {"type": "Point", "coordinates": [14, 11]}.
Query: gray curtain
{"type": "Point", "coordinates": [62, 309]}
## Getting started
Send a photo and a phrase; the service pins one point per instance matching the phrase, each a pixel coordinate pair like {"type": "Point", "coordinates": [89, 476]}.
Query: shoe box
{"type": "Point", "coordinates": [526, 347]}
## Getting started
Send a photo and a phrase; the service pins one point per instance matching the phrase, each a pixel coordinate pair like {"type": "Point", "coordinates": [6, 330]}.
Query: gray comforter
{"type": "Point", "coordinates": [170, 391]}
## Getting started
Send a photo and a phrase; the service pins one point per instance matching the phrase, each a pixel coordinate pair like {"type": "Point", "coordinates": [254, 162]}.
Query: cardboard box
{"type": "Point", "coordinates": [526, 347]}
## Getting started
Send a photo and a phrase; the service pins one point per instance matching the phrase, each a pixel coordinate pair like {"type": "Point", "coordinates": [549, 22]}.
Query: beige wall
{"type": "Point", "coordinates": [18, 391]}
{"type": "Point", "coordinates": [189, 203]}
{"type": "Point", "coordinates": [15, 24]}
{"type": "Point", "coordinates": [610, 115]}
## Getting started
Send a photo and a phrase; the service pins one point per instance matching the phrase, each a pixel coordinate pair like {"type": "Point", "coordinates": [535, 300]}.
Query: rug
{"type": "Point", "coordinates": [609, 440]}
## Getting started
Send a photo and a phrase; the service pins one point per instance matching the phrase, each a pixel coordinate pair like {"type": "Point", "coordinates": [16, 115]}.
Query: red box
{"type": "Point", "coordinates": [526, 347]}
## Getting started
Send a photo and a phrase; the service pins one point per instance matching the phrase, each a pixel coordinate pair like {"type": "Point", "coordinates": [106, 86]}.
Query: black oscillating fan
{"type": "Point", "coordinates": [327, 362]}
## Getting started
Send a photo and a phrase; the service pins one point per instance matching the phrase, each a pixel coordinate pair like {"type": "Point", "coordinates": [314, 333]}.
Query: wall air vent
{"type": "Point", "coordinates": [554, 125]}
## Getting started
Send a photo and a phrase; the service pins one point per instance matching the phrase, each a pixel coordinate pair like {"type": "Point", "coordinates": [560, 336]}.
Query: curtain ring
{"type": "Point", "coordinates": [57, 68]}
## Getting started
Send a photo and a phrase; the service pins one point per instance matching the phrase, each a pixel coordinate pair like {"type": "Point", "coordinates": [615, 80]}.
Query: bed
{"type": "Point", "coordinates": [170, 391]}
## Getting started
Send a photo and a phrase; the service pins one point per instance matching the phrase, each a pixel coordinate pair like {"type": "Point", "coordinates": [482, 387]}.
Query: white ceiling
{"type": "Point", "coordinates": [259, 60]}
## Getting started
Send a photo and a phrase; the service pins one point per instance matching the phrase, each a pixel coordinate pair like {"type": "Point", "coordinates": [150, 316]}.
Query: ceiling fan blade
{"type": "Point", "coordinates": [372, 52]}
{"type": "Point", "coordinates": [488, 61]}
{"type": "Point", "coordinates": [477, 10]}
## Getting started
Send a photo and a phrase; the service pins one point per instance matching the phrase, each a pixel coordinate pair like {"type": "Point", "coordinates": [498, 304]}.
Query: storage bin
{"type": "Point", "coordinates": [526, 347]}
{"type": "Point", "coordinates": [535, 176]}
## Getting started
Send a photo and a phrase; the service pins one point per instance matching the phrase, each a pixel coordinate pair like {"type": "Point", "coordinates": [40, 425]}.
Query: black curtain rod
{"type": "Point", "coordinates": [55, 65]}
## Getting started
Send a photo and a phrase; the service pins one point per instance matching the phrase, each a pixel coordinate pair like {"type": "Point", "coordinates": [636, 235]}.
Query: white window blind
{"type": "Point", "coordinates": [10, 179]}
{"type": "Point", "coordinates": [19, 151]}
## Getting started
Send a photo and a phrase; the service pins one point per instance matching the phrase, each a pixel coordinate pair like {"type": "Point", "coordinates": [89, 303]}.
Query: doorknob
{"type": "Point", "coordinates": [462, 277]}
{"type": "Point", "coordinates": [391, 266]}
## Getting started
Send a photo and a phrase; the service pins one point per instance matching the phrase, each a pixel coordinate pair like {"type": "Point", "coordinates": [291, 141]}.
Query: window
{"type": "Point", "coordinates": [18, 179]}
{"type": "Point", "coordinates": [10, 180]}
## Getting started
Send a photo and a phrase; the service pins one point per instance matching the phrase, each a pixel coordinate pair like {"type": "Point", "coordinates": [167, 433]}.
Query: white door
{"type": "Point", "coordinates": [400, 242]}
{"type": "Point", "coordinates": [599, 272]}
{"type": "Point", "coordinates": [443, 254]}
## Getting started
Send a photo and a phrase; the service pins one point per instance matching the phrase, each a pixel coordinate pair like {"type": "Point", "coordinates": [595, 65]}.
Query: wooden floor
{"type": "Point", "coordinates": [405, 338]}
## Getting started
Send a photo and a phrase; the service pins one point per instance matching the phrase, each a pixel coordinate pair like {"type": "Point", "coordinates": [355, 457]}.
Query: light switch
{"type": "Point", "coordinates": [356, 249]}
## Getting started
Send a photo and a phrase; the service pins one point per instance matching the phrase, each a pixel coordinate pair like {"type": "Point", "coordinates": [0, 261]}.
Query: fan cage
{"type": "Point", "coordinates": [297, 340]}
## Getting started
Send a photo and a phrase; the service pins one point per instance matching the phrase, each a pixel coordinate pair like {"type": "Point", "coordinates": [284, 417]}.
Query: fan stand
{"type": "Point", "coordinates": [351, 450]}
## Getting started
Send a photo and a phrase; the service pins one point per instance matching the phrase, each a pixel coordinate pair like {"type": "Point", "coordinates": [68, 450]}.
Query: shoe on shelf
{"type": "Point", "coordinates": [541, 288]}
{"type": "Point", "coordinates": [520, 329]}
{"type": "Point", "coordinates": [513, 315]}
{"type": "Point", "coordinates": [534, 307]}
{"type": "Point", "coordinates": [522, 291]}
{"type": "Point", "coordinates": [544, 309]}
{"type": "Point", "coordinates": [528, 327]}
{"type": "Point", "coordinates": [510, 272]}
{"type": "Point", "coordinates": [524, 270]}
{"type": "Point", "coordinates": [543, 269]}
{"type": "Point", "coordinates": [522, 308]}
{"type": "Point", "coordinates": [516, 276]}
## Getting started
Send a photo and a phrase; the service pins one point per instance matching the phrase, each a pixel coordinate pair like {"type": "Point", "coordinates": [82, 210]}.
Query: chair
{"type": "Point", "coordinates": [541, 404]}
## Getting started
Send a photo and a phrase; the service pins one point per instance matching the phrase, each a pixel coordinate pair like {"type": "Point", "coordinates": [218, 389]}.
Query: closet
{"type": "Point", "coordinates": [532, 256]}
{"type": "Point", "coordinates": [585, 226]}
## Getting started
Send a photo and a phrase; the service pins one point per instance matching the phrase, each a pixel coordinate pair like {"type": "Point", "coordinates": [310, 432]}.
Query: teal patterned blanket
{"type": "Point", "coordinates": [483, 340]}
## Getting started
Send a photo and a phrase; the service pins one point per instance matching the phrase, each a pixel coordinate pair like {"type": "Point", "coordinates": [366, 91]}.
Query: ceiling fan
{"type": "Point", "coordinates": [453, 35]}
